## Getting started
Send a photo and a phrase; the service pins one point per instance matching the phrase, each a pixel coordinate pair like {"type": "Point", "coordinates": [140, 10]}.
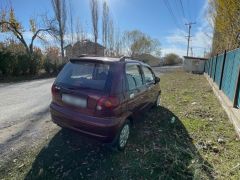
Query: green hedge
{"type": "Point", "coordinates": [21, 64]}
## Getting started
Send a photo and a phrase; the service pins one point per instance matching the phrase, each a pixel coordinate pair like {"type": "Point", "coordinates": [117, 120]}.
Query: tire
{"type": "Point", "coordinates": [123, 136]}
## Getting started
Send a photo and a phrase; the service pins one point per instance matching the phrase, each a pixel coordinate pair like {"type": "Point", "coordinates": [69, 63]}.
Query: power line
{"type": "Point", "coordinates": [182, 9]}
{"type": "Point", "coordinates": [168, 6]}
{"type": "Point", "coordinates": [189, 11]}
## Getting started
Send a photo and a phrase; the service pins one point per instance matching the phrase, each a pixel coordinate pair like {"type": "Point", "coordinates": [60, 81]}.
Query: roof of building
{"type": "Point", "coordinates": [83, 42]}
{"type": "Point", "coordinates": [197, 58]}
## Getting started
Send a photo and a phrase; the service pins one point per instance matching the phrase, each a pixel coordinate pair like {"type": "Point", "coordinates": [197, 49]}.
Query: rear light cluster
{"type": "Point", "coordinates": [107, 103]}
{"type": "Point", "coordinates": [55, 90]}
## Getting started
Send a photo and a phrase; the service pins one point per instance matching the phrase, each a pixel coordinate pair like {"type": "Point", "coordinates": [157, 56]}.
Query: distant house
{"type": "Point", "coordinates": [83, 47]}
{"type": "Point", "coordinates": [194, 64]}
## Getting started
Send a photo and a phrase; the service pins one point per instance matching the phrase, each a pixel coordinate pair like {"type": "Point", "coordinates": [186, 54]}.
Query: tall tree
{"type": "Point", "coordinates": [105, 23]}
{"type": "Point", "coordinates": [137, 43]}
{"type": "Point", "coordinates": [9, 23]}
{"type": "Point", "coordinates": [226, 18]}
{"type": "Point", "coordinates": [59, 7]}
{"type": "Point", "coordinates": [111, 38]}
{"type": "Point", "coordinates": [95, 17]}
{"type": "Point", "coordinates": [80, 31]}
{"type": "Point", "coordinates": [70, 9]}
{"type": "Point", "coordinates": [118, 43]}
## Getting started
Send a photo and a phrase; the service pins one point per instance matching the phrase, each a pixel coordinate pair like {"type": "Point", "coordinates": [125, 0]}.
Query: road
{"type": "Point", "coordinates": [24, 114]}
{"type": "Point", "coordinates": [165, 69]}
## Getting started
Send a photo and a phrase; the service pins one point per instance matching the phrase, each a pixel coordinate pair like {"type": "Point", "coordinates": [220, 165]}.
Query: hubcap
{"type": "Point", "coordinates": [124, 136]}
{"type": "Point", "coordinates": [158, 100]}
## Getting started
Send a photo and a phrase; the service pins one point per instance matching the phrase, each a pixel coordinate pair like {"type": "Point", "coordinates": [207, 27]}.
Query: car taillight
{"type": "Point", "coordinates": [55, 90]}
{"type": "Point", "coordinates": [107, 103]}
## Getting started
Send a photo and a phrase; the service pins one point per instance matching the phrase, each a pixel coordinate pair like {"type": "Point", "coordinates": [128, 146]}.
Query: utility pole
{"type": "Point", "coordinates": [189, 34]}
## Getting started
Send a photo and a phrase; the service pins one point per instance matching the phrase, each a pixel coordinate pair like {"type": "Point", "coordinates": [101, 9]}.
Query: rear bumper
{"type": "Point", "coordinates": [103, 129]}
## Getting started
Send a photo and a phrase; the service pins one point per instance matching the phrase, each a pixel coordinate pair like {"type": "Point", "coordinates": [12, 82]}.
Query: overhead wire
{"type": "Point", "coordinates": [168, 6]}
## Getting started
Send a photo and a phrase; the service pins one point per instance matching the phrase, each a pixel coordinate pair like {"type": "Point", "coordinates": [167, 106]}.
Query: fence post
{"type": "Point", "coordinates": [223, 66]}
{"type": "Point", "coordinates": [211, 67]}
{"type": "Point", "coordinates": [237, 94]}
{"type": "Point", "coordinates": [204, 67]}
{"type": "Point", "coordinates": [215, 68]}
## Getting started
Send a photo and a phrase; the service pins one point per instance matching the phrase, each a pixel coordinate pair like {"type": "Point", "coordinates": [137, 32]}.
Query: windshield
{"type": "Point", "coordinates": [89, 75]}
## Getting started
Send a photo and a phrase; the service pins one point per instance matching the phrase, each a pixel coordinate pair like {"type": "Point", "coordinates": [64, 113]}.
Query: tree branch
{"type": "Point", "coordinates": [12, 28]}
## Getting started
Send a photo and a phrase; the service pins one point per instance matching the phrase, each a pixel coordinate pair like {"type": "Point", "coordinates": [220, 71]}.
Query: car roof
{"type": "Point", "coordinates": [108, 59]}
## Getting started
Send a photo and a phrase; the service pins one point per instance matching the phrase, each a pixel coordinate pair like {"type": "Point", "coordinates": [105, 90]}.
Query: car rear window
{"type": "Point", "coordinates": [89, 75]}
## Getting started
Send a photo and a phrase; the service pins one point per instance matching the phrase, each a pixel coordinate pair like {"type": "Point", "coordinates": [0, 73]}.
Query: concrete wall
{"type": "Point", "coordinates": [194, 65]}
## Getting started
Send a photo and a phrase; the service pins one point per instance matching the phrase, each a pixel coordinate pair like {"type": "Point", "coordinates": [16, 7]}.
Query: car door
{"type": "Point", "coordinates": [135, 88]}
{"type": "Point", "coordinates": [152, 88]}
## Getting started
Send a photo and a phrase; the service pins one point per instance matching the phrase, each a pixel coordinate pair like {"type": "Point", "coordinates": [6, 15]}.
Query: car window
{"type": "Point", "coordinates": [148, 75]}
{"type": "Point", "coordinates": [134, 77]}
{"type": "Point", "coordinates": [84, 75]}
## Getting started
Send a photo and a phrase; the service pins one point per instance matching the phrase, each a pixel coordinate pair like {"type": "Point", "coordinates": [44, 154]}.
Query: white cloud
{"type": "Point", "coordinates": [174, 49]}
{"type": "Point", "coordinates": [200, 41]}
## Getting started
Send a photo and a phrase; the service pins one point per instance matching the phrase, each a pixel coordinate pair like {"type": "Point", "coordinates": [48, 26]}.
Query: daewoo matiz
{"type": "Point", "coordinates": [101, 97]}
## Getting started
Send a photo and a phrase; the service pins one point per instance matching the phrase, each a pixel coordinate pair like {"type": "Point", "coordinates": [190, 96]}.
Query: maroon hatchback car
{"type": "Point", "coordinates": [101, 97]}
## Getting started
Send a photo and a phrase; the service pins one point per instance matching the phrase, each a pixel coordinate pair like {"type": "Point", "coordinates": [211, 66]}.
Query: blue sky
{"type": "Point", "coordinates": [152, 17]}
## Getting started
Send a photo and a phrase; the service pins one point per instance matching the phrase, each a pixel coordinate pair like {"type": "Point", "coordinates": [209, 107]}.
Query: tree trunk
{"type": "Point", "coordinates": [62, 51]}
{"type": "Point", "coordinates": [95, 41]}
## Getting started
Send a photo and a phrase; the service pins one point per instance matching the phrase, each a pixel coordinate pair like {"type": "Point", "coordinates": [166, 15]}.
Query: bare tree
{"type": "Point", "coordinates": [78, 30]}
{"type": "Point", "coordinates": [59, 7]}
{"type": "Point", "coordinates": [118, 43]}
{"type": "Point", "coordinates": [95, 17]}
{"type": "Point", "coordinates": [137, 43]}
{"type": "Point", "coordinates": [9, 23]}
{"type": "Point", "coordinates": [71, 20]}
{"type": "Point", "coordinates": [105, 22]}
{"type": "Point", "coordinates": [111, 37]}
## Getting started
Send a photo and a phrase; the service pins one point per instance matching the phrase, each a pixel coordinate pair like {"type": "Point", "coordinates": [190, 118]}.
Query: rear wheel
{"type": "Point", "coordinates": [123, 136]}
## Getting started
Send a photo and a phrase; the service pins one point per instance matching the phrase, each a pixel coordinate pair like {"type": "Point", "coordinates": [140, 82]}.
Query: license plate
{"type": "Point", "coordinates": [76, 101]}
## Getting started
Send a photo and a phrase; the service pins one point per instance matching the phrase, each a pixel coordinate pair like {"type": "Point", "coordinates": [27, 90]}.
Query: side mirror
{"type": "Point", "coordinates": [157, 80]}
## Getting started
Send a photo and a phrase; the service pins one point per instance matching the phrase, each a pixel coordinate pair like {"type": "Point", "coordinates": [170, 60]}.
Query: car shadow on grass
{"type": "Point", "coordinates": [159, 148]}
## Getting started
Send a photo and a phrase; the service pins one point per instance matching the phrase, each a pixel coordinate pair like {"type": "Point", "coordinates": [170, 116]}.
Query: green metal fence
{"type": "Point", "coordinates": [224, 69]}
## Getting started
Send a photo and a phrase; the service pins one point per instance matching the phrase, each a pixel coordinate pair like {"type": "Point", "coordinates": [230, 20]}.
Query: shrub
{"type": "Point", "coordinates": [35, 63]}
{"type": "Point", "coordinates": [6, 63]}
{"type": "Point", "coordinates": [172, 59]}
{"type": "Point", "coordinates": [24, 63]}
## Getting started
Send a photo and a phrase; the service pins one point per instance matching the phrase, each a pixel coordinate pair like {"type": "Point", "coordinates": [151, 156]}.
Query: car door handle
{"type": "Point", "coordinates": [132, 95]}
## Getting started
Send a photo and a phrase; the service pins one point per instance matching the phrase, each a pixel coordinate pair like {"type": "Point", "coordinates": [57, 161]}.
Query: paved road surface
{"type": "Point", "coordinates": [165, 69]}
{"type": "Point", "coordinates": [24, 114]}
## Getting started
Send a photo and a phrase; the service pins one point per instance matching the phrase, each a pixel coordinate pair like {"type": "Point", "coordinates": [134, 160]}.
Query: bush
{"type": "Point", "coordinates": [6, 63]}
{"type": "Point", "coordinates": [172, 59]}
{"type": "Point", "coordinates": [35, 63]}
{"type": "Point", "coordinates": [21, 64]}
{"type": "Point", "coordinates": [52, 68]}
{"type": "Point", "coordinates": [24, 63]}
{"type": "Point", "coordinates": [47, 66]}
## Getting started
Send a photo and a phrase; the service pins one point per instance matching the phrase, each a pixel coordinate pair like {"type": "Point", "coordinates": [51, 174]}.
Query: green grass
{"type": "Point", "coordinates": [159, 148]}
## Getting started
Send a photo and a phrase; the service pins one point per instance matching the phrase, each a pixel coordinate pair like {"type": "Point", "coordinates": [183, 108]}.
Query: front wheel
{"type": "Point", "coordinates": [123, 136]}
